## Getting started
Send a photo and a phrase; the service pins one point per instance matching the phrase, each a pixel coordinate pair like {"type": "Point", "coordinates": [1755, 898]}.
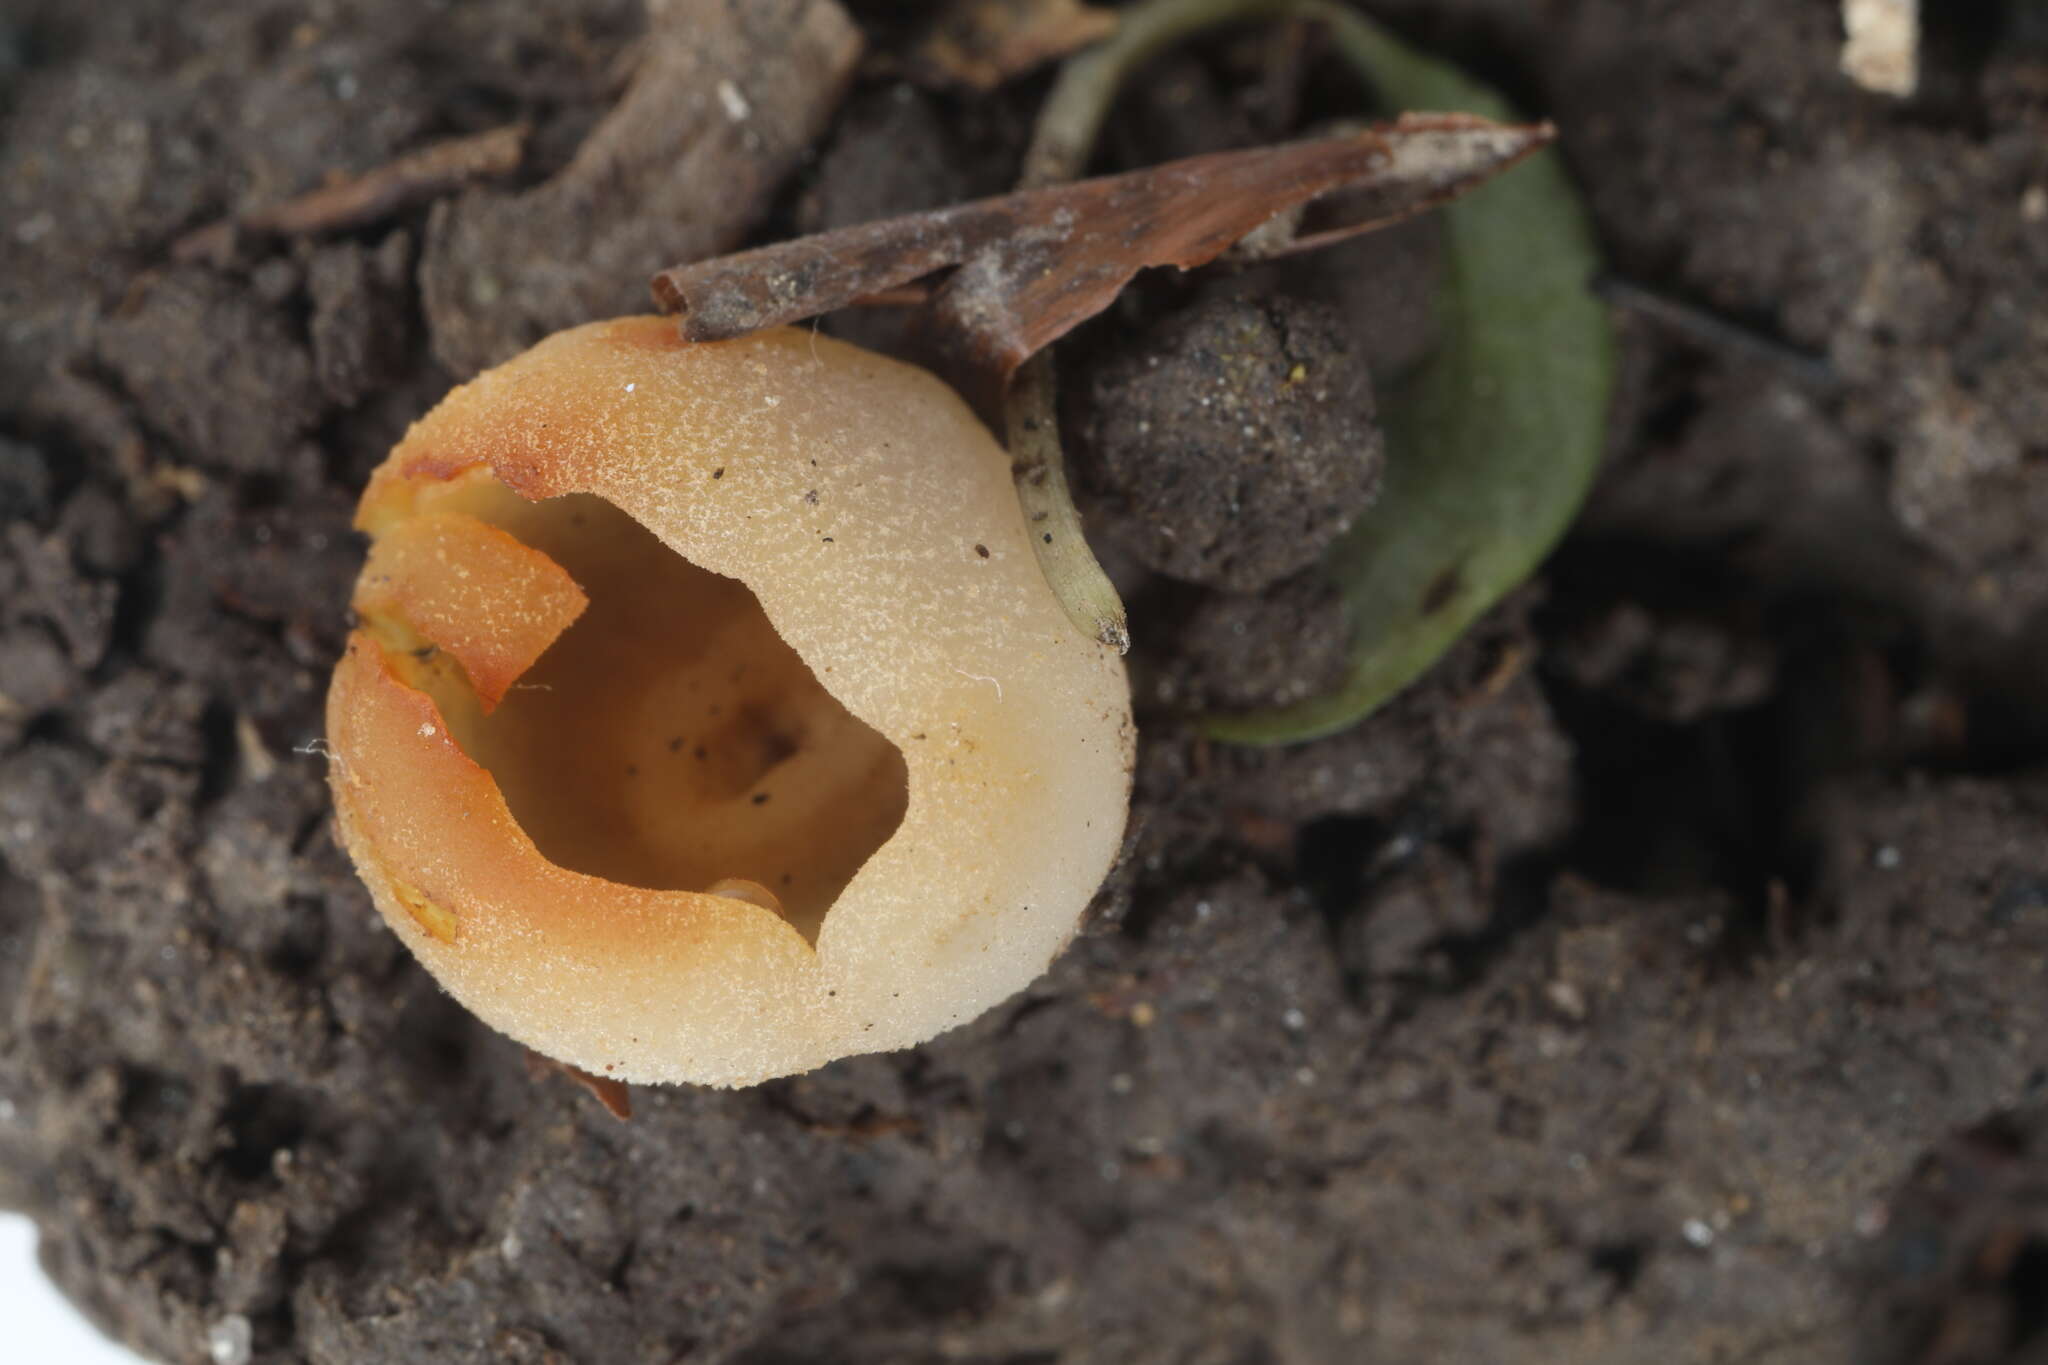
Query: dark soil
{"type": "Point", "coordinates": [1664, 978]}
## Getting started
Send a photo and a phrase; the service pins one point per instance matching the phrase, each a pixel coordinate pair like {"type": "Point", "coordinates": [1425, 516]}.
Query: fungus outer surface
{"type": "Point", "coordinates": [709, 718]}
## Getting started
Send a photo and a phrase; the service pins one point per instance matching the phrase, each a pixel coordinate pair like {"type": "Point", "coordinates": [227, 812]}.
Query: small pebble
{"type": "Point", "coordinates": [228, 1341]}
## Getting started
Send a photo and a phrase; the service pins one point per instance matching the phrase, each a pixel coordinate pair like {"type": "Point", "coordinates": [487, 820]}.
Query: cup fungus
{"type": "Point", "coordinates": [708, 718]}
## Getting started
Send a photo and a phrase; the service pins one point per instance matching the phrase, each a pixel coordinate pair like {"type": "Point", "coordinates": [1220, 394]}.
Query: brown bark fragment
{"type": "Point", "coordinates": [1036, 263]}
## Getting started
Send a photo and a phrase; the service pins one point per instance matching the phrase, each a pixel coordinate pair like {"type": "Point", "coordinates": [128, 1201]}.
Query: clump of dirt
{"type": "Point", "coordinates": [1232, 441]}
{"type": "Point", "coordinates": [1660, 977]}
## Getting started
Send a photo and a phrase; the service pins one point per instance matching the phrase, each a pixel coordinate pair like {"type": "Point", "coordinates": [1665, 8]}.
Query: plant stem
{"type": "Point", "coordinates": [1060, 147]}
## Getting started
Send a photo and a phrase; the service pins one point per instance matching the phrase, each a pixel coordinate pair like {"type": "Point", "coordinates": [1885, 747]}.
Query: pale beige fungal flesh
{"type": "Point", "coordinates": [709, 718]}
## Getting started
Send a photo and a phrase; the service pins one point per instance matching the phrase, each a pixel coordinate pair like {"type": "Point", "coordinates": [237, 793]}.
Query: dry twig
{"type": "Point", "coordinates": [1042, 261]}
{"type": "Point", "coordinates": [414, 178]}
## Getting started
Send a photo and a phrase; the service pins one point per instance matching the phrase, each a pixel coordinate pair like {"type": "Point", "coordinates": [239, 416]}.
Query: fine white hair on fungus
{"type": "Point", "coordinates": [668, 741]}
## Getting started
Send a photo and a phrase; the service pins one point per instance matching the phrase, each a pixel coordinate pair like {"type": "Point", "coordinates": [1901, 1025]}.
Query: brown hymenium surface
{"type": "Point", "coordinates": [668, 738]}
{"type": "Point", "coordinates": [715, 755]}
{"type": "Point", "coordinates": [1658, 979]}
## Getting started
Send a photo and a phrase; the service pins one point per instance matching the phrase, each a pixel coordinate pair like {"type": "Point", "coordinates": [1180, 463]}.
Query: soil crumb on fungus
{"type": "Point", "coordinates": [667, 740]}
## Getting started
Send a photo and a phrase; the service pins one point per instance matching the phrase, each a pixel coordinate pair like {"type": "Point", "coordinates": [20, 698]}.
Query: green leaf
{"type": "Point", "coordinates": [1493, 442]}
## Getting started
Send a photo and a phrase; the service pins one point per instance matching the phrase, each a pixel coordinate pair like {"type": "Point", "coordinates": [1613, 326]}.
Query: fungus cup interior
{"type": "Point", "coordinates": [668, 738]}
